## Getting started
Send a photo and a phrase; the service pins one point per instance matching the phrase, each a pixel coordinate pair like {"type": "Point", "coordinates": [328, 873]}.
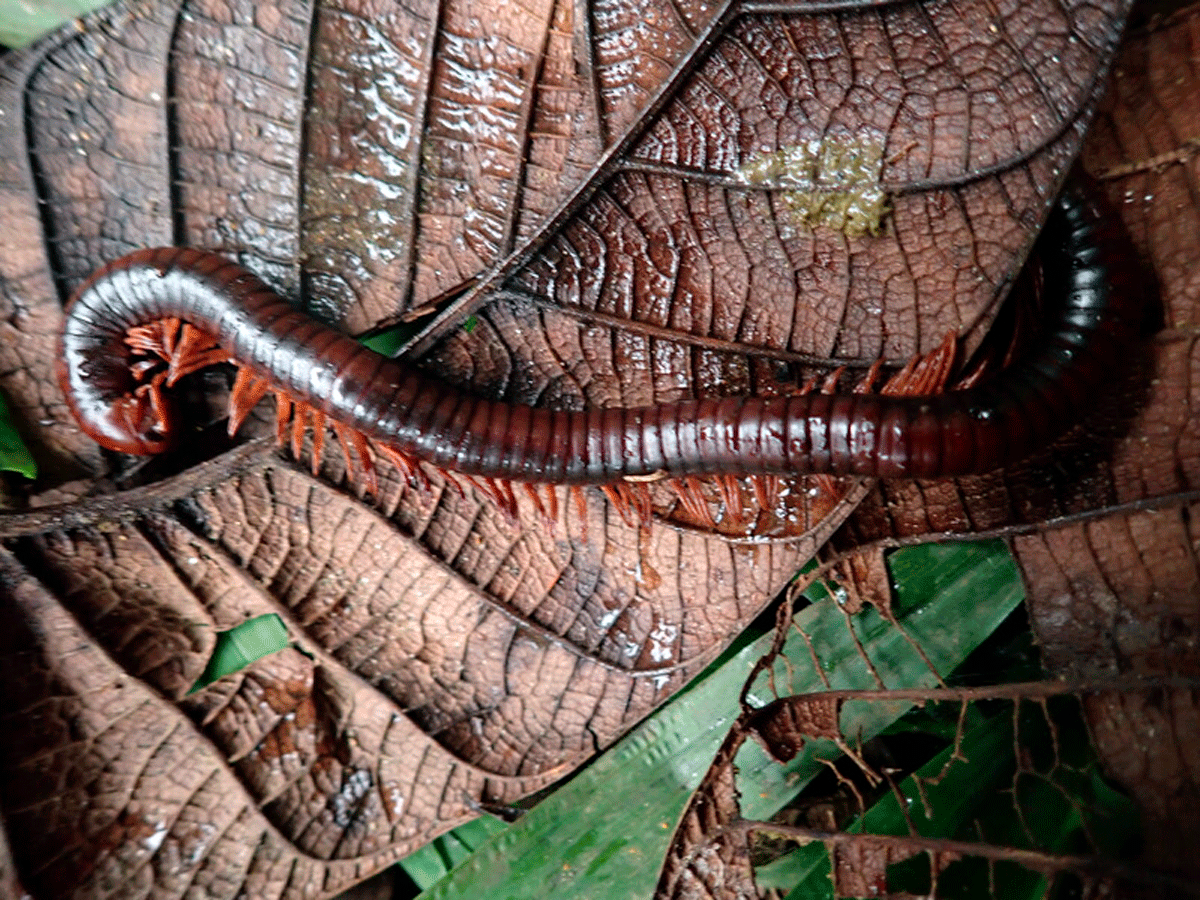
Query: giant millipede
{"type": "Point", "coordinates": [190, 308]}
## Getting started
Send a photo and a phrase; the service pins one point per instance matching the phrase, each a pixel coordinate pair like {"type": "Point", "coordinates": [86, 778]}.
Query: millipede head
{"type": "Point", "coordinates": [134, 419]}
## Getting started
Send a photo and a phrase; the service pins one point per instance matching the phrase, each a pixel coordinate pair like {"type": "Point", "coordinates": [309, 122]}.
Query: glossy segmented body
{"type": "Point", "coordinates": [1093, 312]}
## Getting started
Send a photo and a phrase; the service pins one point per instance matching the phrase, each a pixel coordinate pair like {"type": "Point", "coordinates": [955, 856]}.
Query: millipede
{"type": "Point", "coordinates": [145, 320]}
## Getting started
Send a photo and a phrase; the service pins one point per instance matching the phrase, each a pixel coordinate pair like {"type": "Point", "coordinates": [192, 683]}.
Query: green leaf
{"type": "Point", "coordinates": [391, 339]}
{"type": "Point", "coordinates": [973, 801]}
{"type": "Point", "coordinates": [14, 455]}
{"type": "Point", "coordinates": [435, 859]}
{"type": "Point", "coordinates": [243, 644]}
{"type": "Point", "coordinates": [604, 833]}
{"type": "Point", "coordinates": [22, 21]}
{"type": "Point", "coordinates": [1114, 818]}
{"type": "Point", "coordinates": [949, 598]}
{"type": "Point", "coordinates": [988, 749]}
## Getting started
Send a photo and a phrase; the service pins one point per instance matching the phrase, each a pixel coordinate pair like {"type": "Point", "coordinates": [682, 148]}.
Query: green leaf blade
{"type": "Point", "coordinates": [24, 21]}
{"type": "Point", "coordinates": [14, 455]}
{"type": "Point", "coordinates": [243, 644]}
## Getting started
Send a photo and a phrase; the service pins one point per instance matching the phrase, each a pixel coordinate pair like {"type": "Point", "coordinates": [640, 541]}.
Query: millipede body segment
{"type": "Point", "coordinates": [132, 310]}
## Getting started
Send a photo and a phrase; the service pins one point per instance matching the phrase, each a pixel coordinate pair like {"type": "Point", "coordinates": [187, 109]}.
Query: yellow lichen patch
{"type": "Point", "coordinates": [830, 183]}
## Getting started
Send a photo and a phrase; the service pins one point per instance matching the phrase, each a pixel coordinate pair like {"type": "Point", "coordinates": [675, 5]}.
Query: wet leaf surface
{"type": "Point", "coordinates": [632, 203]}
{"type": "Point", "coordinates": [1110, 554]}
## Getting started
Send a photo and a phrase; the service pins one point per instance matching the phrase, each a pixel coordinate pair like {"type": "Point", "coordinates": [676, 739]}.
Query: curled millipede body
{"type": "Point", "coordinates": [135, 306]}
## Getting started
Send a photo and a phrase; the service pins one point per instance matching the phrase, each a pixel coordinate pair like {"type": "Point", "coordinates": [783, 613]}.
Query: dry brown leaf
{"type": "Point", "coordinates": [783, 734]}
